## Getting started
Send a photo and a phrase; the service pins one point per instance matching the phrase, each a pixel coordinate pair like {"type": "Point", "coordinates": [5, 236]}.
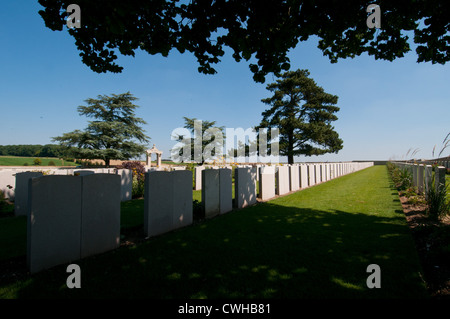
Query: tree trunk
{"type": "Point", "coordinates": [107, 160]}
{"type": "Point", "coordinates": [290, 150]}
{"type": "Point", "coordinates": [290, 159]}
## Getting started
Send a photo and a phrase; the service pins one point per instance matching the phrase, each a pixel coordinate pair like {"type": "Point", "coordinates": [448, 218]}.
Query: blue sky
{"type": "Point", "coordinates": [386, 108]}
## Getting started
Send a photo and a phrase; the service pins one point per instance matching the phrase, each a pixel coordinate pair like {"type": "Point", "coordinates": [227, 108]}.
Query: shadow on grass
{"type": "Point", "coordinates": [264, 251]}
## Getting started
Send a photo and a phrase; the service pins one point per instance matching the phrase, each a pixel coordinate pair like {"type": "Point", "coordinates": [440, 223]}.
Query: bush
{"type": "Point", "coordinates": [25, 164]}
{"type": "Point", "coordinates": [37, 161]}
{"type": "Point", "coordinates": [51, 163]}
{"type": "Point", "coordinates": [5, 208]}
{"type": "Point", "coordinates": [2, 200]}
{"type": "Point", "coordinates": [438, 205]}
{"type": "Point", "coordinates": [198, 210]}
{"type": "Point", "coordinates": [138, 170]}
{"type": "Point", "coordinates": [402, 178]}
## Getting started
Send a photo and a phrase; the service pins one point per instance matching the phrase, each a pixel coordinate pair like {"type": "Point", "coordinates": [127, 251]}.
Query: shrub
{"type": "Point", "coordinates": [191, 167]}
{"type": "Point", "coordinates": [198, 210]}
{"type": "Point", "coordinates": [25, 164]}
{"type": "Point", "coordinates": [437, 203]}
{"type": "Point", "coordinates": [402, 178]}
{"type": "Point", "coordinates": [2, 200]}
{"type": "Point", "coordinates": [51, 163]}
{"type": "Point", "coordinates": [138, 170]}
{"type": "Point", "coordinates": [37, 161]}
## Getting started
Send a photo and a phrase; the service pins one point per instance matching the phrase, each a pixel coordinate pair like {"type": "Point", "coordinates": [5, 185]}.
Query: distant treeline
{"type": "Point", "coordinates": [48, 150]}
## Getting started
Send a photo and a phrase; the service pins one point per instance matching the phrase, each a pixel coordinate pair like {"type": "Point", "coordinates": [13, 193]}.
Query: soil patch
{"type": "Point", "coordinates": [432, 239]}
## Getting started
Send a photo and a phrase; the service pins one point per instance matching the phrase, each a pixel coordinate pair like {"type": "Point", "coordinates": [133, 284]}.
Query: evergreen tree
{"type": "Point", "coordinates": [303, 113]}
{"type": "Point", "coordinates": [113, 133]}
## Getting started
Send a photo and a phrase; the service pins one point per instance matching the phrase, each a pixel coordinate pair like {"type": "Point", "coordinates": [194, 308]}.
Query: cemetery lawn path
{"type": "Point", "coordinates": [316, 243]}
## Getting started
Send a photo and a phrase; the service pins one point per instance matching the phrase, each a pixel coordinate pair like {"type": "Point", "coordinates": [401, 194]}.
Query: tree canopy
{"type": "Point", "coordinates": [303, 113]}
{"type": "Point", "coordinates": [258, 31]}
{"type": "Point", "coordinates": [114, 134]}
{"type": "Point", "coordinates": [48, 150]}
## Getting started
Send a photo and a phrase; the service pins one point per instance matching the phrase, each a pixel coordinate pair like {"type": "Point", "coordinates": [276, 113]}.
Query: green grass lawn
{"type": "Point", "coordinates": [316, 243]}
{"type": "Point", "coordinates": [20, 161]}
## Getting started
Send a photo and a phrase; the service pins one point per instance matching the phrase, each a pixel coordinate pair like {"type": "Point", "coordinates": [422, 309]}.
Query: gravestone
{"type": "Point", "coordinates": [211, 192]}
{"type": "Point", "coordinates": [427, 177]}
{"type": "Point", "coordinates": [267, 184]}
{"type": "Point", "coordinates": [420, 177]}
{"type": "Point", "coordinates": [303, 171]}
{"type": "Point", "coordinates": [244, 186]}
{"type": "Point", "coordinates": [414, 169]}
{"type": "Point", "coordinates": [294, 178]}
{"type": "Point", "coordinates": [226, 192]}
{"type": "Point", "coordinates": [167, 201]}
{"type": "Point", "coordinates": [282, 180]}
{"type": "Point", "coordinates": [198, 177]}
{"type": "Point", "coordinates": [53, 221]}
{"type": "Point", "coordinates": [311, 175]}
{"type": "Point", "coordinates": [21, 192]}
{"type": "Point", "coordinates": [100, 213]}
{"type": "Point", "coordinates": [126, 184]}
{"type": "Point", "coordinates": [439, 177]}
{"type": "Point", "coordinates": [83, 172]}
{"type": "Point", "coordinates": [182, 214]}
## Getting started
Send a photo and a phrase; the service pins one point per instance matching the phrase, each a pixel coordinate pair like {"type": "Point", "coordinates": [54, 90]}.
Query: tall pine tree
{"type": "Point", "coordinates": [303, 112]}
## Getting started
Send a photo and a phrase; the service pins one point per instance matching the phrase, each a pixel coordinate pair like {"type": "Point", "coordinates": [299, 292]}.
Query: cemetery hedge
{"type": "Point", "coordinates": [316, 243]}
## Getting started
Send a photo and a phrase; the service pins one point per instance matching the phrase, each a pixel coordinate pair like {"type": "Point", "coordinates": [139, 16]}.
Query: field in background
{"type": "Point", "coordinates": [29, 161]}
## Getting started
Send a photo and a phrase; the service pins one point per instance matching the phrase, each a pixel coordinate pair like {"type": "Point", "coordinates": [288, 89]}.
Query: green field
{"type": "Point", "coordinates": [316, 243]}
{"type": "Point", "coordinates": [20, 161]}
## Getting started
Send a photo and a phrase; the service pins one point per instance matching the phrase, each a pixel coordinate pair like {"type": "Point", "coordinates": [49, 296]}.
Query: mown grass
{"type": "Point", "coordinates": [20, 161]}
{"type": "Point", "coordinates": [316, 243]}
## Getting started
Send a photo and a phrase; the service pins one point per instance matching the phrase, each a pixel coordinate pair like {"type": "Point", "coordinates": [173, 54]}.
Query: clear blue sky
{"type": "Point", "coordinates": [386, 108]}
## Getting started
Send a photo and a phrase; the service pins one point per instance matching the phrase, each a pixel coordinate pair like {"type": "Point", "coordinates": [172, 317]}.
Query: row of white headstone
{"type": "Point", "coordinates": [13, 183]}
{"type": "Point", "coordinates": [72, 217]}
{"type": "Point", "coordinates": [19, 178]}
{"type": "Point", "coordinates": [168, 189]}
{"type": "Point", "coordinates": [442, 163]}
{"type": "Point", "coordinates": [313, 173]}
{"type": "Point", "coordinates": [281, 180]}
{"type": "Point", "coordinates": [422, 175]}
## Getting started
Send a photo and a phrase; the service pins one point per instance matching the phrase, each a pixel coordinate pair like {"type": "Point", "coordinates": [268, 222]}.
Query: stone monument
{"type": "Point", "coordinates": [158, 156]}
